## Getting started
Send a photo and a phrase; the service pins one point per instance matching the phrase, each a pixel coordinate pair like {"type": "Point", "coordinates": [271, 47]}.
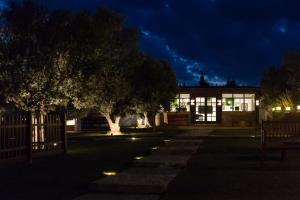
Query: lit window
{"type": "Point", "coordinates": [181, 103]}
{"type": "Point", "coordinates": [238, 102]}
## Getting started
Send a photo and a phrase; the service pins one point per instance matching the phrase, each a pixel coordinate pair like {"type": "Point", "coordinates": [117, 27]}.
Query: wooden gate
{"type": "Point", "coordinates": [23, 135]}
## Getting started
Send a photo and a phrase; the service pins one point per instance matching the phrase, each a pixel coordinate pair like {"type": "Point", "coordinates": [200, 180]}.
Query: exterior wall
{"type": "Point", "coordinates": [180, 118]}
{"type": "Point", "coordinates": [239, 118]}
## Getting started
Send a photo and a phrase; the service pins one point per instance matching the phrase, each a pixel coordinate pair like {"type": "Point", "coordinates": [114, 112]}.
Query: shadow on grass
{"type": "Point", "coordinates": [67, 176]}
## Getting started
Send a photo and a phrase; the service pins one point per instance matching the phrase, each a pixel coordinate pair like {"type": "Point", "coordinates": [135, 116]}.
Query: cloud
{"type": "Point", "coordinates": [225, 38]}
{"type": "Point", "coordinates": [188, 70]}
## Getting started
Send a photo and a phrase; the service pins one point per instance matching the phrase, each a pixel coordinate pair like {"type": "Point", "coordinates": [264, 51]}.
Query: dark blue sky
{"type": "Point", "coordinates": [224, 38]}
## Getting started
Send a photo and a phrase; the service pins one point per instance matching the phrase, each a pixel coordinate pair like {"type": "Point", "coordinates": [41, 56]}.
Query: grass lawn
{"type": "Point", "coordinates": [228, 169]}
{"type": "Point", "coordinates": [68, 176]}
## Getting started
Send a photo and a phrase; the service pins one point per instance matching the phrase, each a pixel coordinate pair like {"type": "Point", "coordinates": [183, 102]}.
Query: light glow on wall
{"type": "Point", "coordinates": [71, 122]}
{"type": "Point", "coordinates": [278, 108]}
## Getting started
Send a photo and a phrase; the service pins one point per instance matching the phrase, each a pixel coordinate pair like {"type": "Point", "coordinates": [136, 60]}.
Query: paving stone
{"type": "Point", "coordinates": [133, 183]}
{"type": "Point", "coordinates": [177, 150]}
{"type": "Point", "coordinates": [153, 170]}
{"type": "Point", "coordinates": [95, 196]}
{"type": "Point", "coordinates": [163, 160]}
{"type": "Point", "coordinates": [199, 134]}
{"type": "Point", "coordinates": [184, 142]}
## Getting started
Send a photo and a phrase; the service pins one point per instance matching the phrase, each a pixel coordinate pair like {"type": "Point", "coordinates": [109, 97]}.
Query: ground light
{"type": "Point", "coordinates": [138, 157]}
{"type": "Point", "coordinates": [155, 148]}
{"type": "Point", "coordinates": [109, 173]}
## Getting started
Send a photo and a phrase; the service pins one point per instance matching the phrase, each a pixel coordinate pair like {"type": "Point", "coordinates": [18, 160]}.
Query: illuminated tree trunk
{"type": "Point", "coordinates": [146, 120]}
{"type": "Point", "coordinates": [114, 126]}
{"type": "Point", "coordinates": [157, 119]}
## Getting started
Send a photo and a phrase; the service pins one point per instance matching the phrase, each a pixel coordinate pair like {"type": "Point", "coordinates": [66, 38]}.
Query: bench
{"type": "Point", "coordinates": [281, 136]}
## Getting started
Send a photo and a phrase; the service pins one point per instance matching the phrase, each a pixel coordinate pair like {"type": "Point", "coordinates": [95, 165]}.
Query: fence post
{"type": "Point", "coordinates": [29, 136]}
{"type": "Point", "coordinates": [63, 131]}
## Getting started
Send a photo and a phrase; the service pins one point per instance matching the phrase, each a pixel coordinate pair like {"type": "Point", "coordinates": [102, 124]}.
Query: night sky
{"type": "Point", "coordinates": [225, 38]}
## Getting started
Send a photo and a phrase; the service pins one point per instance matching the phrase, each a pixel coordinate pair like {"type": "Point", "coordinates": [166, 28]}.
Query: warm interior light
{"type": "Point", "coordinates": [273, 109]}
{"type": "Point", "coordinates": [109, 173]}
{"type": "Point", "coordinates": [287, 108]}
{"type": "Point", "coordinates": [71, 122]}
{"type": "Point", "coordinates": [138, 157]}
{"type": "Point", "coordinates": [298, 107]}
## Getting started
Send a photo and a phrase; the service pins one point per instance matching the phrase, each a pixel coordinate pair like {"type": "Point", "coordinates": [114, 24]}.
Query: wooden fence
{"type": "Point", "coordinates": [23, 135]}
{"type": "Point", "coordinates": [278, 130]}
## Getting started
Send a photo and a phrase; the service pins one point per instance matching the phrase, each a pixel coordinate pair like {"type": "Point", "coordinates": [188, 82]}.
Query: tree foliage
{"type": "Point", "coordinates": [281, 85]}
{"type": "Point", "coordinates": [87, 61]}
{"type": "Point", "coordinates": [155, 85]}
{"type": "Point", "coordinates": [34, 60]}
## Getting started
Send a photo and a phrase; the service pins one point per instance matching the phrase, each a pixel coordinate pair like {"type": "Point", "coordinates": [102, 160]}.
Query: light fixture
{"type": "Point", "coordinates": [167, 140]}
{"type": "Point", "coordinates": [288, 108]}
{"type": "Point", "coordinates": [273, 109]}
{"type": "Point", "coordinates": [133, 138]}
{"type": "Point", "coordinates": [192, 102]}
{"type": "Point", "coordinates": [109, 173]}
{"type": "Point", "coordinates": [138, 157]}
{"type": "Point", "coordinates": [298, 107]}
{"type": "Point", "coordinates": [257, 102]}
{"type": "Point", "coordinates": [55, 144]}
{"type": "Point", "coordinates": [155, 148]}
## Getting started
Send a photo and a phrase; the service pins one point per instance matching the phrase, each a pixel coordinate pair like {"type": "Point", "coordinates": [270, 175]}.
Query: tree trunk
{"type": "Point", "coordinates": [113, 125]}
{"type": "Point", "coordinates": [146, 120]}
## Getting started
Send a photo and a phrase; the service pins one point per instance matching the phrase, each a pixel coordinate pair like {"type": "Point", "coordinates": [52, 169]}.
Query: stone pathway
{"type": "Point", "coordinates": [149, 176]}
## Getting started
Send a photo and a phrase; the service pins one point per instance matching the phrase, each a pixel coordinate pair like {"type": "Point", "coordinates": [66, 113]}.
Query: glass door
{"type": "Point", "coordinates": [206, 109]}
{"type": "Point", "coordinates": [200, 109]}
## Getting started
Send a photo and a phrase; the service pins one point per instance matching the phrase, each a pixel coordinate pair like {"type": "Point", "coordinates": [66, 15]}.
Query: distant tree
{"type": "Point", "coordinates": [281, 85]}
{"type": "Point", "coordinates": [231, 83]}
{"type": "Point", "coordinates": [202, 81]}
{"type": "Point", "coordinates": [291, 67]}
{"type": "Point", "coordinates": [154, 87]}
